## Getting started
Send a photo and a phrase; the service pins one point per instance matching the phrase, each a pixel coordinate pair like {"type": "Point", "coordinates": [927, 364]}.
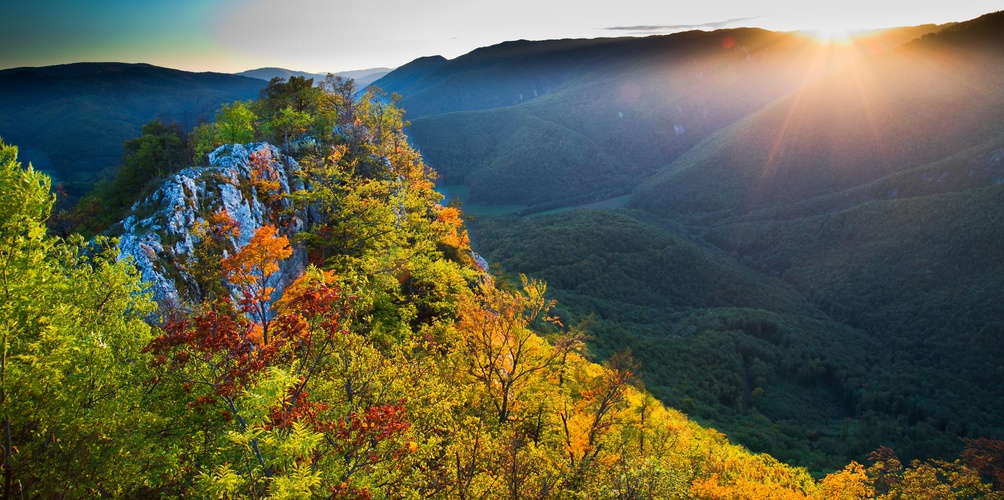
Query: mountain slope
{"type": "Point", "coordinates": [71, 120]}
{"type": "Point", "coordinates": [734, 348]}
{"type": "Point", "coordinates": [893, 113]}
{"type": "Point", "coordinates": [636, 104]}
{"type": "Point", "coordinates": [861, 180]}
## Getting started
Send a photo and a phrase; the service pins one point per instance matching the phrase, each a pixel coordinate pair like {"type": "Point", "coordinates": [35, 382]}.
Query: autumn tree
{"type": "Point", "coordinates": [252, 270]}
{"type": "Point", "coordinates": [214, 237]}
{"type": "Point", "coordinates": [986, 456]}
{"type": "Point", "coordinates": [504, 353]}
{"type": "Point", "coordinates": [599, 399]}
{"type": "Point", "coordinates": [935, 479]}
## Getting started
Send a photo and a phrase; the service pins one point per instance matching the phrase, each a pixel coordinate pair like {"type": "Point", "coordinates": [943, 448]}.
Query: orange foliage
{"type": "Point", "coordinates": [451, 222]}
{"type": "Point", "coordinates": [251, 267]}
{"type": "Point", "coordinates": [218, 226]}
{"type": "Point", "coordinates": [264, 177]}
{"type": "Point", "coordinates": [741, 489]}
{"type": "Point", "coordinates": [259, 259]}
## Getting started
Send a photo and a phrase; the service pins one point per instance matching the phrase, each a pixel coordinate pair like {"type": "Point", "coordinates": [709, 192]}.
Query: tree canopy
{"type": "Point", "coordinates": [393, 366]}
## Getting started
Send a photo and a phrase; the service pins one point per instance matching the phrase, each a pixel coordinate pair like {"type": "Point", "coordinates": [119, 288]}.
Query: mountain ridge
{"type": "Point", "coordinates": [98, 106]}
{"type": "Point", "coordinates": [805, 163]}
{"type": "Point", "coordinates": [363, 77]}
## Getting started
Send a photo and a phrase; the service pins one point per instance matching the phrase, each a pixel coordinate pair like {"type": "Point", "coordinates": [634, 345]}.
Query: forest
{"type": "Point", "coordinates": [394, 365]}
{"type": "Point", "coordinates": [796, 239]}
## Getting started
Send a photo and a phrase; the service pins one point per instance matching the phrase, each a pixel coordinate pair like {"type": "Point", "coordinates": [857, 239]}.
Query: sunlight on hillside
{"type": "Point", "coordinates": [839, 87]}
{"type": "Point", "coordinates": [838, 35]}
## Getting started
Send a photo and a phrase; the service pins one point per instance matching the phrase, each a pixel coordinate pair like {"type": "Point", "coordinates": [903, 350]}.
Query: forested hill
{"type": "Point", "coordinates": [757, 169]}
{"type": "Point", "coordinates": [564, 122]}
{"type": "Point", "coordinates": [391, 365]}
{"type": "Point", "coordinates": [73, 119]}
{"type": "Point", "coordinates": [697, 272]}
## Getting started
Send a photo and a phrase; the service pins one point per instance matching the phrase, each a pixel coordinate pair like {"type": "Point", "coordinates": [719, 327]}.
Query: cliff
{"type": "Point", "coordinates": [159, 235]}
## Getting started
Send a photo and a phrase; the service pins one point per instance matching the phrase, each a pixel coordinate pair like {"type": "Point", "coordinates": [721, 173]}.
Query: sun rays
{"type": "Point", "coordinates": [836, 106]}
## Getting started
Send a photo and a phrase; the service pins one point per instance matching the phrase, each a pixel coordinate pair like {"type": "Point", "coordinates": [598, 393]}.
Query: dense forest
{"type": "Point", "coordinates": [392, 366]}
{"type": "Point", "coordinates": [72, 119]}
{"type": "Point", "coordinates": [797, 239]}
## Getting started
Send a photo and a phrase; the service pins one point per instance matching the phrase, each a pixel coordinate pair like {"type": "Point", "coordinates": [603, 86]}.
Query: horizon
{"type": "Point", "coordinates": [214, 36]}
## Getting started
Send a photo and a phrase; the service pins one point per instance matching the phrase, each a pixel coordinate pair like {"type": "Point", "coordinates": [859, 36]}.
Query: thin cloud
{"type": "Point", "coordinates": [652, 28]}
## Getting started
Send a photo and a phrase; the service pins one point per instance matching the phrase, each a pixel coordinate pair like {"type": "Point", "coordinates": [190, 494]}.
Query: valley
{"type": "Point", "coordinates": [727, 254]}
{"type": "Point", "coordinates": [860, 180]}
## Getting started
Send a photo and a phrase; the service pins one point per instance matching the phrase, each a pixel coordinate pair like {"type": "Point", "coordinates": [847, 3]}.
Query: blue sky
{"type": "Point", "coordinates": [337, 35]}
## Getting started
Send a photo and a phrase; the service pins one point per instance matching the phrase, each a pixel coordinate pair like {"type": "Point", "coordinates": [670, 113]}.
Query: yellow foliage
{"type": "Point", "coordinates": [851, 483]}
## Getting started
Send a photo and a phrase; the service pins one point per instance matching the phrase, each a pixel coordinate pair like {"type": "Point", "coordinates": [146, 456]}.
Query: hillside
{"type": "Point", "coordinates": [894, 113]}
{"type": "Point", "coordinates": [593, 118]}
{"type": "Point", "coordinates": [760, 170]}
{"type": "Point", "coordinates": [392, 365]}
{"type": "Point", "coordinates": [72, 119]}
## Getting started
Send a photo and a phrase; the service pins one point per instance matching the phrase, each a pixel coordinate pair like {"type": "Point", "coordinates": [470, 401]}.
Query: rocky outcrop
{"type": "Point", "coordinates": [158, 235]}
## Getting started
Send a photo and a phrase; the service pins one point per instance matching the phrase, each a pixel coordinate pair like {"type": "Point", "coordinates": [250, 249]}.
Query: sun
{"type": "Point", "coordinates": [834, 35]}
{"type": "Point", "coordinates": [837, 35]}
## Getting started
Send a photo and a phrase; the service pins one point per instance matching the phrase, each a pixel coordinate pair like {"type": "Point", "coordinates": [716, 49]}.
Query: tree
{"type": "Point", "coordinates": [235, 123]}
{"type": "Point", "coordinates": [161, 150]}
{"type": "Point", "coordinates": [934, 479]}
{"type": "Point", "coordinates": [986, 456]}
{"type": "Point", "coordinates": [503, 352]}
{"type": "Point", "coordinates": [591, 419]}
{"type": "Point", "coordinates": [71, 371]}
{"type": "Point", "coordinates": [251, 269]}
{"type": "Point", "coordinates": [204, 140]}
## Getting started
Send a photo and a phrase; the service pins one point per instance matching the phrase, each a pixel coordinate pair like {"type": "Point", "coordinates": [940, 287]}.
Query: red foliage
{"type": "Point", "coordinates": [299, 408]}
{"type": "Point", "coordinates": [359, 431]}
{"type": "Point", "coordinates": [986, 456]}
{"type": "Point", "coordinates": [220, 338]}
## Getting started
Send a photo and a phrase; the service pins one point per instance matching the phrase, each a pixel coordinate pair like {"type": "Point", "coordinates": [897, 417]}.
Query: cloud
{"type": "Point", "coordinates": [657, 28]}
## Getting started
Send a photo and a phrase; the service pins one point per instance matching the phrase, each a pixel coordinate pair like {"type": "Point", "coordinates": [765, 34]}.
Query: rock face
{"type": "Point", "coordinates": [158, 235]}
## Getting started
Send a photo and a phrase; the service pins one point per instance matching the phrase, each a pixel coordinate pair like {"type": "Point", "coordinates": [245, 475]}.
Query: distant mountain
{"type": "Point", "coordinates": [363, 77]}
{"type": "Point", "coordinates": [628, 105]}
{"type": "Point", "coordinates": [404, 78]}
{"type": "Point", "coordinates": [71, 120]}
{"type": "Point", "coordinates": [896, 112]}
{"type": "Point", "coordinates": [758, 169]}
{"type": "Point", "coordinates": [270, 73]}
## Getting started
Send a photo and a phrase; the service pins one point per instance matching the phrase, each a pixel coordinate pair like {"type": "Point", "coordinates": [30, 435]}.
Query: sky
{"type": "Point", "coordinates": [338, 35]}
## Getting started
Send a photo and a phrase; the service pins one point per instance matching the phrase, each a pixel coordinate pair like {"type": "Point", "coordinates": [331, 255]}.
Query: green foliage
{"type": "Point", "coordinates": [235, 123]}
{"type": "Point", "coordinates": [71, 393]}
{"type": "Point", "coordinates": [72, 119]}
{"type": "Point", "coordinates": [734, 348]}
{"type": "Point", "coordinates": [160, 151]}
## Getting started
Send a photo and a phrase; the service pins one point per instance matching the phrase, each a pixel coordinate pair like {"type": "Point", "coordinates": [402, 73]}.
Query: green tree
{"type": "Point", "coordinates": [161, 150]}
{"type": "Point", "coordinates": [71, 368]}
{"type": "Point", "coordinates": [204, 140]}
{"type": "Point", "coordinates": [235, 123]}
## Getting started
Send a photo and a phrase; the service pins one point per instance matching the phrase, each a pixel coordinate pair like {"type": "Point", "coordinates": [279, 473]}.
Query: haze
{"type": "Point", "coordinates": [319, 35]}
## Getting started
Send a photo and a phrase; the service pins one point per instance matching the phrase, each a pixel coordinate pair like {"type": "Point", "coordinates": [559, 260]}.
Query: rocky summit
{"type": "Point", "coordinates": [159, 237]}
